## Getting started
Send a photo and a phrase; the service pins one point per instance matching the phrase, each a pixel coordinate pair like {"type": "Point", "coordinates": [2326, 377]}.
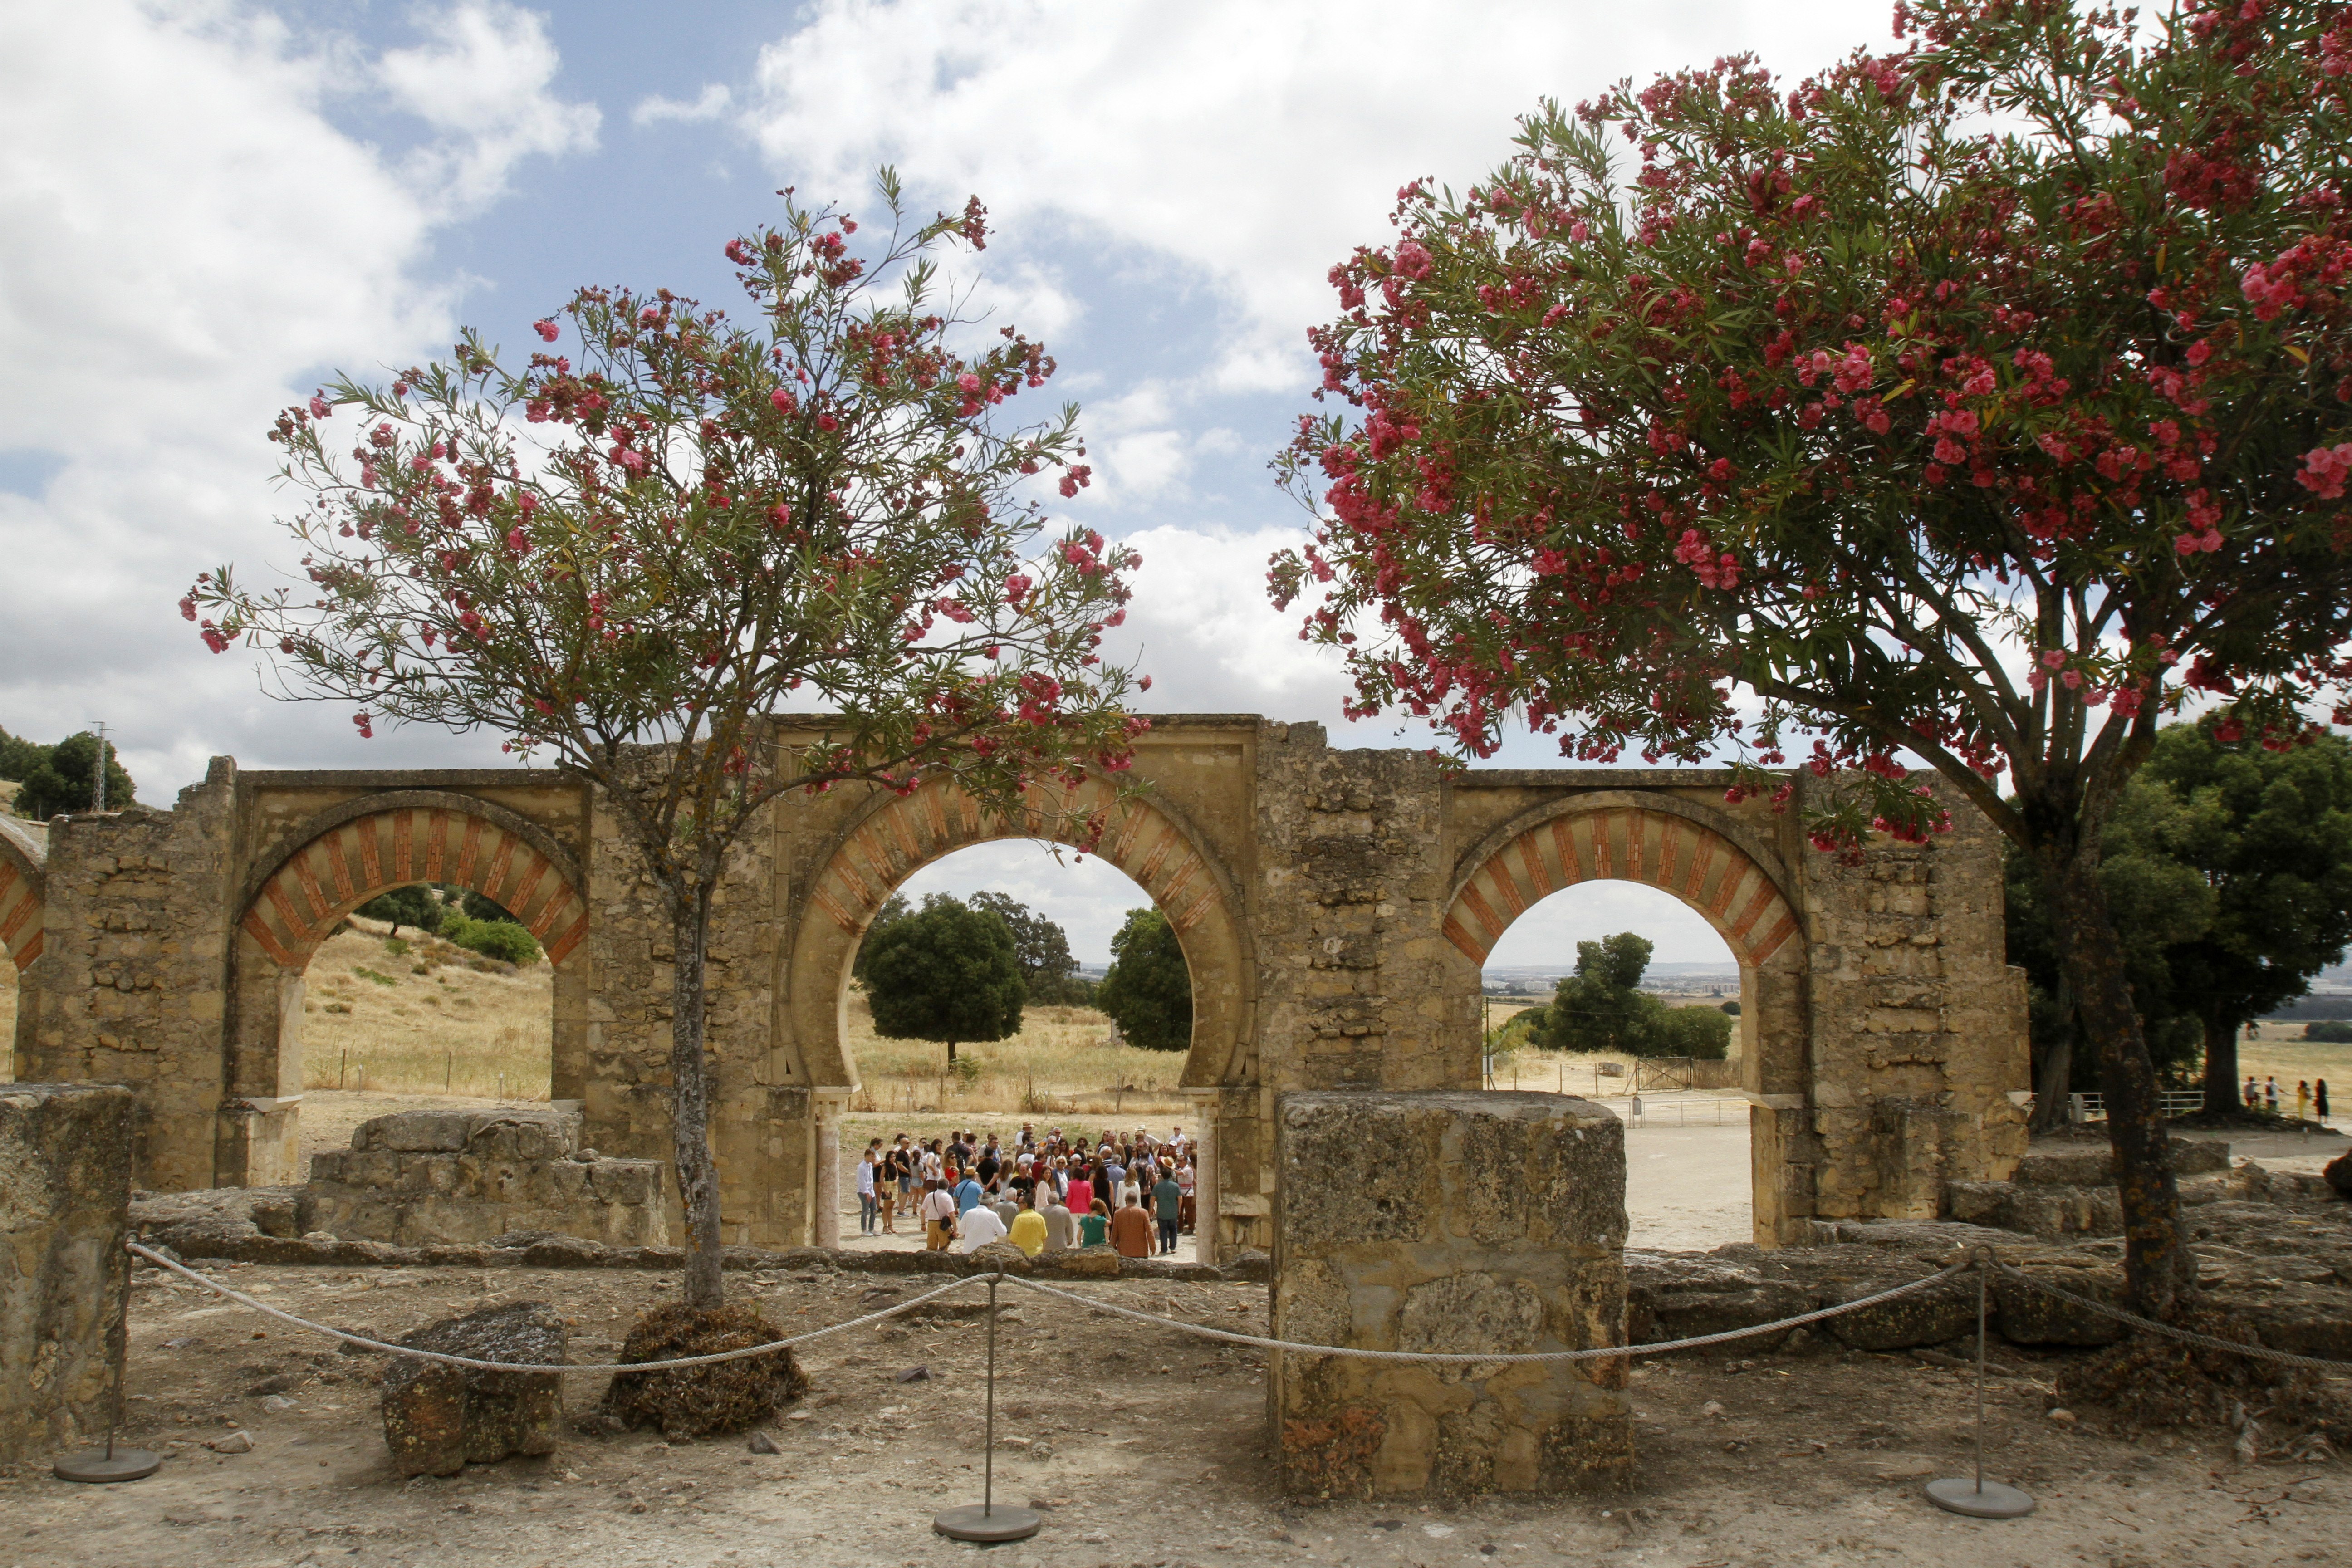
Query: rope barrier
{"type": "Point", "coordinates": [1983, 1261]}
{"type": "Point", "coordinates": [2189, 1336]}
{"type": "Point", "coordinates": [770, 1348]}
{"type": "Point", "coordinates": [1450, 1359]}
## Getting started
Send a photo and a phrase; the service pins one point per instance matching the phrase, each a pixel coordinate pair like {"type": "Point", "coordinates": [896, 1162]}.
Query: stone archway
{"type": "Point", "coordinates": [1735, 883]}
{"type": "Point", "coordinates": [1144, 837]}
{"type": "Point", "coordinates": [339, 860]}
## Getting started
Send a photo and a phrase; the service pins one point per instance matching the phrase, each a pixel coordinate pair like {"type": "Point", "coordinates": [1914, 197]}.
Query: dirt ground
{"type": "Point", "coordinates": [1141, 1446]}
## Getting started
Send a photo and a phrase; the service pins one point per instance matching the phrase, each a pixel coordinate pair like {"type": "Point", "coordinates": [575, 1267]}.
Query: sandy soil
{"type": "Point", "coordinates": [1144, 1448]}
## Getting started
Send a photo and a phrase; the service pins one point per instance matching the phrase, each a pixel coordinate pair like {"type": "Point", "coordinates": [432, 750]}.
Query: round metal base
{"type": "Point", "coordinates": [125, 1465]}
{"type": "Point", "coordinates": [988, 1526]}
{"type": "Point", "coordinates": [1959, 1495]}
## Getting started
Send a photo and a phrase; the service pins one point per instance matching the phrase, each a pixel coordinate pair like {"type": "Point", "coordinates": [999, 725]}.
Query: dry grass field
{"type": "Point", "coordinates": [1060, 1062]}
{"type": "Point", "coordinates": [415, 1014]}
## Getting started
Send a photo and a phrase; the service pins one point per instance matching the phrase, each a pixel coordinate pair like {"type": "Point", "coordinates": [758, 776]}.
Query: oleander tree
{"type": "Point", "coordinates": [1979, 403]}
{"type": "Point", "coordinates": [628, 555]}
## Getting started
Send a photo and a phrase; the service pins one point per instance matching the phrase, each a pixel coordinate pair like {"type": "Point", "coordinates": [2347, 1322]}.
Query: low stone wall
{"type": "Point", "coordinates": [65, 1152]}
{"type": "Point", "coordinates": [1448, 1222]}
{"type": "Point", "coordinates": [440, 1177]}
{"type": "Point", "coordinates": [2064, 1192]}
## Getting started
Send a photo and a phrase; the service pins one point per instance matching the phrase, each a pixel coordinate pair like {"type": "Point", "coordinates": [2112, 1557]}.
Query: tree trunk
{"type": "Point", "coordinates": [951, 1052]}
{"type": "Point", "coordinates": [2157, 1264]}
{"type": "Point", "coordinates": [2221, 1095]}
{"type": "Point", "coordinates": [2054, 1087]}
{"type": "Point", "coordinates": [690, 1069]}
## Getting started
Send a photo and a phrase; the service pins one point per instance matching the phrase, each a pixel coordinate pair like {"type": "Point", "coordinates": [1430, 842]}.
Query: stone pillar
{"type": "Point", "coordinates": [1450, 1222]}
{"type": "Point", "coordinates": [826, 1229]}
{"type": "Point", "coordinates": [65, 1153]}
{"type": "Point", "coordinates": [1204, 1189]}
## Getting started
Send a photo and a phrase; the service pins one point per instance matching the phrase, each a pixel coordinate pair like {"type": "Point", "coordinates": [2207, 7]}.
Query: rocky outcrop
{"type": "Point", "coordinates": [439, 1418]}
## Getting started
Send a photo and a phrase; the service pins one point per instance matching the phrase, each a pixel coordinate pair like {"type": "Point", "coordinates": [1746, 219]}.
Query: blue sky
{"type": "Point", "coordinates": [207, 205]}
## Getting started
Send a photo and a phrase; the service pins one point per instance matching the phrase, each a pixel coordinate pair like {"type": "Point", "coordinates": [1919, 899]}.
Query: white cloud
{"type": "Point", "coordinates": [711, 103]}
{"type": "Point", "coordinates": [184, 233]}
{"type": "Point", "coordinates": [484, 83]}
{"type": "Point", "coordinates": [1208, 638]}
{"type": "Point", "coordinates": [1252, 145]}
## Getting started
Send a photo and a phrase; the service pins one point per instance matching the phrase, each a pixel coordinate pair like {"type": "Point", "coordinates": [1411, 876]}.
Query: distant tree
{"type": "Point", "coordinates": [62, 777]}
{"type": "Point", "coordinates": [1048, 973]}
{"type": "Point", "coordinates": [1703, 1032]}
{"type": "Point", "coordinates": [1148, 991]}
{"type": "Point", "coordinates": [505, 940]}
{"type": "Point", "coordinates": [2231, 873]}
{"type": "Point", "coordinates": [894, 909]}
{"type": "Point", "coordinates": [1599, 1007]}
{"type": "Point", "coordinates": [19, 757]}
{"type": "Point", "coordinates": [2270, 833]}
{"type": "Point", "coordinates": [2334, 1031]}
{"type": "Point", "coordinates": [415, 905]}
{"type": "Point", "coordinates": [947, 973]}
{"type": "Point", "coordinates": [1731, 1009]}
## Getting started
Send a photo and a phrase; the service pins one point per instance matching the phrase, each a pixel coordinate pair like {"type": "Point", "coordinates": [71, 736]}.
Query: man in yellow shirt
{"type": "Point", "coordinates": [1029, 1227]}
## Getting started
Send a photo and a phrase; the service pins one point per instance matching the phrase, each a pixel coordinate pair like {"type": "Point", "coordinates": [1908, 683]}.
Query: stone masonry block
{"type": "Point", "coordinates": [1448, 1222]}
{"type": "Point", "coordinates": [66, 1155]}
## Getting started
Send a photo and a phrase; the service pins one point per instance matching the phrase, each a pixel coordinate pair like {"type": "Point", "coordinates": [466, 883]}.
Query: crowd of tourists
{"type": "Point", "coordinates": [1133, 1192]}
{"type": "Point", "coordinates": [2307, 1097]}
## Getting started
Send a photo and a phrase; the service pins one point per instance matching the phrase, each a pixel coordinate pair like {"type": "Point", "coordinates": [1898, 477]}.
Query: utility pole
{"type": "Point", "coordinates": [97, 792]}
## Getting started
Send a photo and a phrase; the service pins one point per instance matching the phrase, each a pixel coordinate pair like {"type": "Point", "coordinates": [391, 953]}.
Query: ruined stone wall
{"type": "Point", "coordinates": [1919, 1026]}
{"type": "Point", "coordinates": [1393, 1232]}
{"type": "Point", "coordinates": [65, 1153]}
{"type": "Point", "coordinates": [1358, 988]}
{"type": "Point", "coordinates": [761, 1135]}
{"type": "Point", "coordinates": [418, 1178]}
{"type": "Point", "coordinates": [135, 977]}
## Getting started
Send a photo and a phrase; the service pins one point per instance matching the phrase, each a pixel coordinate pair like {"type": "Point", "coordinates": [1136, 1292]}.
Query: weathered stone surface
{"type": "Point", "coordinates": [1930, 1317]}
{"type": "Point", "coordinates": [1682, 1297]}
{"type": "Point", "coordinates": [1392, 1234]}
{"type": "Point", "coordinates": [437, 1177]}
{"type": "Point", "coordinates": [65, 1153]}
{"type": "Point", "coordinates": [438, 1418]}
{"type": "Point", "coordinates": [724, 1396]}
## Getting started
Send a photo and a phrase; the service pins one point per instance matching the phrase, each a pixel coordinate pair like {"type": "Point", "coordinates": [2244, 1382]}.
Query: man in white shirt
{"type": "Point", "coordinates": [869, 1206]}
{"type": "Point", "coordinates": [981, 1226]}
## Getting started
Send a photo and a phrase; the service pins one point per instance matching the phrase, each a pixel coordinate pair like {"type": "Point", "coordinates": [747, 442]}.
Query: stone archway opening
{"type": "Point", "coordinates": [1145, 840]}
{"type": "Point", "coordinates": [1068, 1060]}
{"type": "Point", "coordinates": [23, 934]}
{"type": "Point", "coordinates": [1731, 881]}
{"type": "Point", "coordinates": [331, 1003]}
{"type": "Point", "coordinates": [1649, 1061]}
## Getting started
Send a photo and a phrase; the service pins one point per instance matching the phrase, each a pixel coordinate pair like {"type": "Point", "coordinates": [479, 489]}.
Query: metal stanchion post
{"type": "Point", "coordinates": [114, 1464]}
{"type": "Point", "coordinates": [988, 1523]}
{"type": "Point", "coordinates": [1981, 1498]}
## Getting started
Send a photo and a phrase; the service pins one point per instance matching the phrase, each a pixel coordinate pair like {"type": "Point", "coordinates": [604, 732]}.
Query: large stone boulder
{"type": "Point", "coordinates": [439, 1418]}
{"type": "Point", "coordinates": [2339, 1174]}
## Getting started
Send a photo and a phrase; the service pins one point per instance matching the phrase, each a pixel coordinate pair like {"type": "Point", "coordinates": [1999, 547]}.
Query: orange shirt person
{"type": "Point", "coordinates": [1130, 1230]}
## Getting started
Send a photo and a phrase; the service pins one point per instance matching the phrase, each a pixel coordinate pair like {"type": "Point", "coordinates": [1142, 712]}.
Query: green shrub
{"type": "Point", "coordinates": [2334, 1031]}
{"type": "Point", "coordinates": [502, 939]}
